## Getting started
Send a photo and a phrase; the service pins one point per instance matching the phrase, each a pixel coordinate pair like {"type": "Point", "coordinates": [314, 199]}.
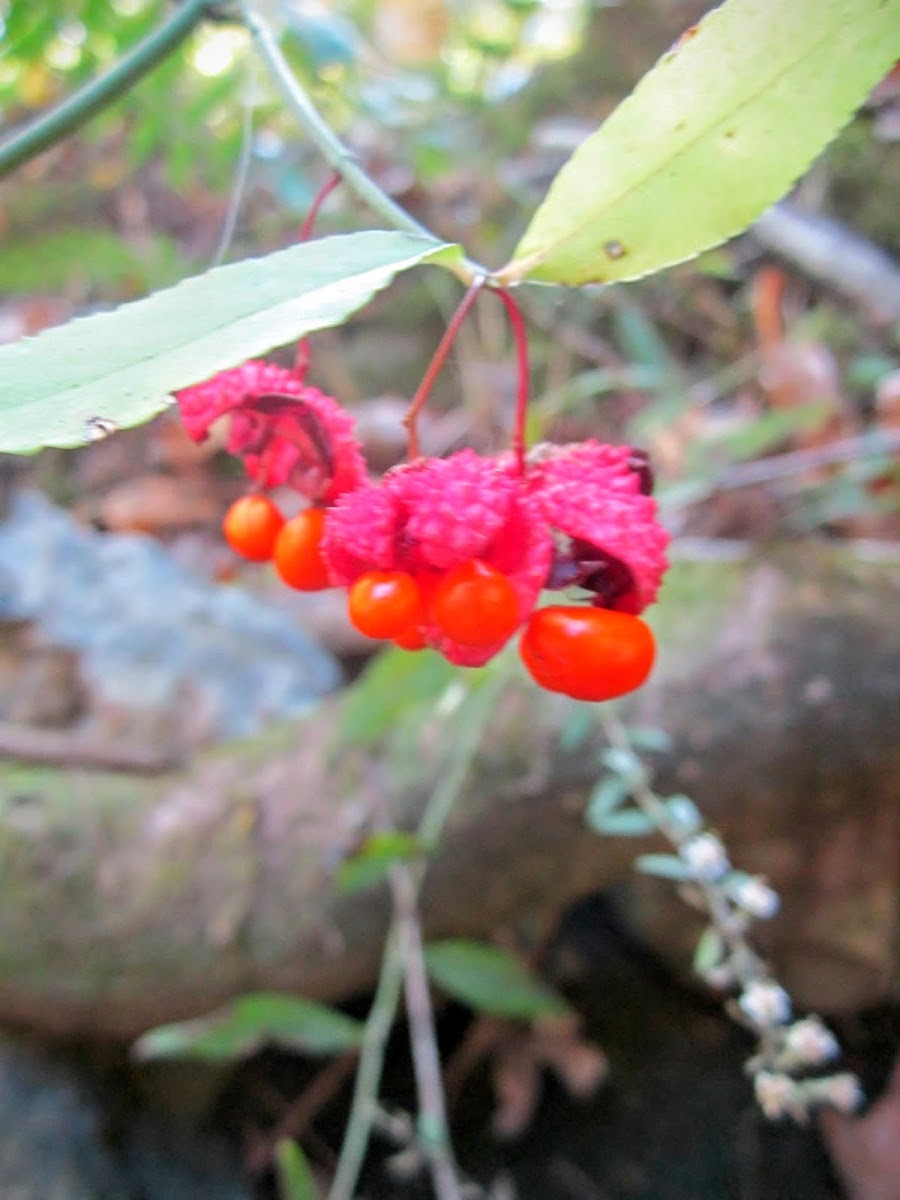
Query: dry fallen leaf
{"type": "Point", "coordinates": [158, 504]}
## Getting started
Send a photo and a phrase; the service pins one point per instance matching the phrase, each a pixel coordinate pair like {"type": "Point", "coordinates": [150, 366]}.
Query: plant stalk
{"type": "Point", "coordinates": [410, 419]}
{"type": "Point", "coordinates": [390, 982]}
{"type": "Point", "coordinates": [432, 1117]}
{"type": "Point", "coordinates": [99, 93]}
{"type": "Point", "coordinates": [336, 154]}
{"type": "Point", "coordinates": [520, 337]}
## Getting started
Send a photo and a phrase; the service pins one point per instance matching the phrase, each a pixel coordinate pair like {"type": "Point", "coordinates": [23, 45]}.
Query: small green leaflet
{"type": "Point", "coordinates": [490, 980]}
{"type": "Point", "coordinates": [119, 368]}
{"type": "Point", "coordinates": [295, 1177]}
{"type": "Point", "coordinates": [242, 1027]}
{"type": "Point", "coordinates": [710, 950]}
{"type": "Point", "coordinates": [394, 684]}
{"type": "Point", "coordinates": [606, 797]}
{"type": "Point", "coordinates": [711, 137]}
{"type": "Point", "coordinates": [372, 863]}
{"type": "Point", "coordinates": [666, 866]}
{"type": "Point", "coordinates": [627, 822]}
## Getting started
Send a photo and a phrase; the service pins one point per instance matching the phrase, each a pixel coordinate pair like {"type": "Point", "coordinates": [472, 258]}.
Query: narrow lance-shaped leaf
{"type": "Point", "coordinates": [119, 368]}
{"type": "Point", "coordinates": [295, 1175]}
{"type": "Point", "coordinates": [242, 1027]}
{"type": "Point", "coordinates": [373, 861]}
{"type": "Point", "coordinates": [710, 138]}
{"type": "Point", "coordinates": [490, 980]}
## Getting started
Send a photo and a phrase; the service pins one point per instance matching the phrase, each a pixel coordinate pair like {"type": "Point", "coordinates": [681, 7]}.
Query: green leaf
{"type": "Point", "coordinates": [371, 864]}
{"type": "Point", "coordinates": [710, 950]}
{"type": "Point", "coordinates": [685, 813]}
{"type": "Point", "coordinates": [242, 1027]}
{"type": "Point", "coordinates": [121, 366]}
{"type": "Point", "coordinates": [395, 683]}
{"type": "Point", "coordinates": [606, 797]}
{"type": "Point", "coordinates": [621, 761]}
{"type": "Point", "coordinates": [631, 822]}
{"type": "Point", "coordinates": [649, 738]}
{"type": "Point", "coordinates": [295, 1178]}
{"type": "Point", "coordinates": [712, 136]}
{"type": "Point", "coordinates": [490, 980]}
{"type": "Point", "coordinates": [666, 866]}
{"type": "Point", "coordinates": [639, 339]}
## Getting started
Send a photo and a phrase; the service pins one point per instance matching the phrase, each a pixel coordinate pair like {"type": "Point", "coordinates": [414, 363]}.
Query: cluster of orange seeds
{"type": "Point", "coordinates": [583, 652]}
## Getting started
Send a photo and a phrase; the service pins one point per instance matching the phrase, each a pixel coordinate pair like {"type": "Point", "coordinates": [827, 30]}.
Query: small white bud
{"type": "Point", "coordinates": [705, 857]}
{"type": "Point", "coordinates": [720, 977]}
{"type": "Point", "coordinates": [685, 813]}
{"type": "Point", "coordinates": [765, 1003]}
{"type": "Point", "coordinates": [776, 1094]}
{"type": "Point", "coordinates": [842, 1091]}
{"type": "Point", "coordinates": [755, 897]}
{"type": "Point", "coordinates": [810, 1042]}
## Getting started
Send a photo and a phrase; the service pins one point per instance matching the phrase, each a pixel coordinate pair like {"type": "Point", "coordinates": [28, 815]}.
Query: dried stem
{"type": "Point", "coordinates": [368, 1076]}
{"type": "Point", "coordinates": [299, 1114]}
{"type": "Point", "coordinates": [780, 466]}
{"type": "Point", "coordinates": [432, 1115]}
{"type": "Point", "coordinates": [364, 1108]}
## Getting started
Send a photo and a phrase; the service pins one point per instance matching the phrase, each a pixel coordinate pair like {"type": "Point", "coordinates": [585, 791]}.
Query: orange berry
{"type": "Point", "coordinates": [384, 604]}
{"type": "Point", "coordinates": [298, 552]}
{"type": "Point", "coordinates": [251, 526]}
{"type": "Point", "coordinates": [587, 653]}
{"type": "Point", "coordinates": [475, 605]}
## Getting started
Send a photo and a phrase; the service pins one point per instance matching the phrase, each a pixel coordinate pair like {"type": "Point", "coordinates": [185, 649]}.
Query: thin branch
{"type": "Point", "coordinates": [748, 967]}
{"type": "Point", "coordinates": [390, 983]}
{"type": "Point", "coordinates": [238, 187]}
{"type": "Point", "coordinates": [874, 444]}
{"type": "Point", "coordinates": [781, 466]}
{"type": "Point", "coordinates": [336, 154]}
{"type": "Point", "coordinates": [835, 255]}
{"type": "Point", "coordinates": [432, 1115]}
{"type": "Point", "coordinates": [296, 1119]}
{"type": "Point", "coordinates": [368, 1076]}
{"type": "Point", "coordinates": [99, 93]}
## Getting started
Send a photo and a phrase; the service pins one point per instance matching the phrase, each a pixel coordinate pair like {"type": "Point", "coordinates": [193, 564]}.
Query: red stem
{"type": "Point", "coordinates": [434, 367]}
{"type": "Point", "coordinates": [520, 336]}
{"type": "Point", "coordinates": [318, 200]}
{"type": "Point", "coordinates": [301, 358]}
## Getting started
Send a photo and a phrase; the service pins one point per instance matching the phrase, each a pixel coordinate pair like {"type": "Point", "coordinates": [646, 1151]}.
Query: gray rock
{"type": "Point", "coordinates": [163, 1163]}
{"type": "Point", "coordinates": [53, 1143]}
{"type": "Point", "coordinates": [148, 633]}
{"type": "Point", "coordinates": [50, 1133]}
